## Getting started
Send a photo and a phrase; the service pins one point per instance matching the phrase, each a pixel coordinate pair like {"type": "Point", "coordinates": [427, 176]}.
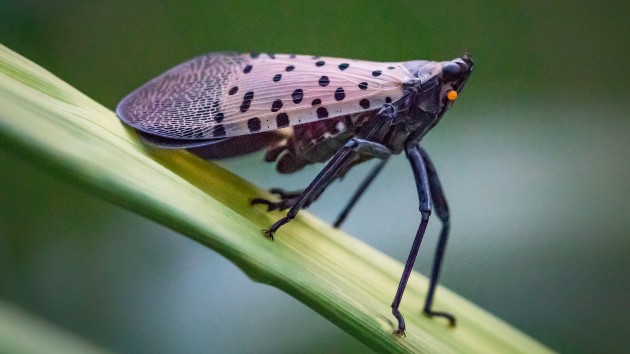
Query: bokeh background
{"type": "Point", "coordinates": [533, 157]}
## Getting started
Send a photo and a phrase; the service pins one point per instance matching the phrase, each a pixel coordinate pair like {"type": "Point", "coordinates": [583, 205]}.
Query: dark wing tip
{"type": "Point", "coordinates": [183, 102]}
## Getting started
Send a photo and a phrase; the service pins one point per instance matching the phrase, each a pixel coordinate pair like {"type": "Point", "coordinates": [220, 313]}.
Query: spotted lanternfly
{"type": "Point", "coordinates": [305, 109]}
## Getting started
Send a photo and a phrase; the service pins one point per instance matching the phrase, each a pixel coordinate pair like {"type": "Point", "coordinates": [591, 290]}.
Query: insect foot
{"type": "Point", "coordinates": [272, 230]}
{"type": "Point", "coordinates": [271, 206]}
{"type": "Point", "coordinates": [401, 322]}
{"type": "Point", "coordinates": [400, 332]}
{"type": "Point", "coordinates": [451, 319]}
{"type": "Point", "coordinates": [268, 234]}
{"type": "Point", "coordinates": [287, 199]}
{"type": "Point", "coordinates": [282, 194]}
{"type": "Point", "coordinates": [283, 204]}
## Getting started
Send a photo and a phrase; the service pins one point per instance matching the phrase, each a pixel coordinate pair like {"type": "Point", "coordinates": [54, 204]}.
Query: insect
{"type": "Point", "coordinates": [307, 109]}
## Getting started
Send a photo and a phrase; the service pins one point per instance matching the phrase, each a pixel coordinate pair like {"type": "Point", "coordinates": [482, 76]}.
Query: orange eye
{"type": "Point", "coordinates": [451, 95]}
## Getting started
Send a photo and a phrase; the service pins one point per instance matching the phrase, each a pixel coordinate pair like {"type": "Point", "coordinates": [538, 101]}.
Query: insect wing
{"type": "Point", "coordinates": [229, 94]}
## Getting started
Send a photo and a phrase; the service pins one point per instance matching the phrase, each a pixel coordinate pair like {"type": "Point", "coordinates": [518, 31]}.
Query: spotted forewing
{"type": "Point", "coordinates": [230, 94]}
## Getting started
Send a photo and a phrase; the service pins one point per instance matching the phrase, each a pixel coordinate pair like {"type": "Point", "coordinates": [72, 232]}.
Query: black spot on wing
{"type": "Point", "coordinates": [324, 81]}
{"type": "Point", "coordinates": [322, 112]}
{"type": "Point", "coordinates": [282, 120]}
{"type": "Point", "coordinates": [247, 101]}
{"type": "Point", "coordinates": [340, 94]}
{"type": "Point", "coordinates": [276, 105]}
{"type": "Point", "coordinates": [218, 130]}
{"type": "Point", "coordinates": [297, 96]}
{"type": "Point", "coordinates": [253, 124]}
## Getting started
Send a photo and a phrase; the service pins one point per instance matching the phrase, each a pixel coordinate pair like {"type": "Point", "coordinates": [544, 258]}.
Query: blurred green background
{"type": "Point", "coordinates": [533, 157]}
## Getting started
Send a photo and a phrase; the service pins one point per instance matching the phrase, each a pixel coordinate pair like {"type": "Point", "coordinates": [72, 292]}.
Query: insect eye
{"type": "Point", "coordinates": [450, 70]}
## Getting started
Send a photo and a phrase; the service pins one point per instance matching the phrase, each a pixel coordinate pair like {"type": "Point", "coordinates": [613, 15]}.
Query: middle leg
{"type": "Point", "coordinates": [359, 192]}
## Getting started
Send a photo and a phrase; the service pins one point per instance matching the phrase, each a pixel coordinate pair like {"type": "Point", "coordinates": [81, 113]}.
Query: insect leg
{"type": "Point", "coordinates": [359, 192]}
{"type": "Point", "coordinates": [328, 174]}
{"type": "Point", "coordinates": [286, 199]}
{"type": "Point", "coordinates": [284, 194]}
{"type": "Point", "coordinates": [324, 177]}
{"type": "Point", "coordinates": [441, 209]}
{"type": "Point", "coordinates": [369, 148]}
{"type": "Point", "coordinates": [424, 194]}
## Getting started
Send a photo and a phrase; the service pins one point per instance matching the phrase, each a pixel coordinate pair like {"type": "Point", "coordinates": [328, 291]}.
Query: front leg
{"type": "Point", "coordinates": [424, 195]}
{"type": "Point", "coordinates": [361, 146]}
{"type": "Point", "coordinates": [325, 177]}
